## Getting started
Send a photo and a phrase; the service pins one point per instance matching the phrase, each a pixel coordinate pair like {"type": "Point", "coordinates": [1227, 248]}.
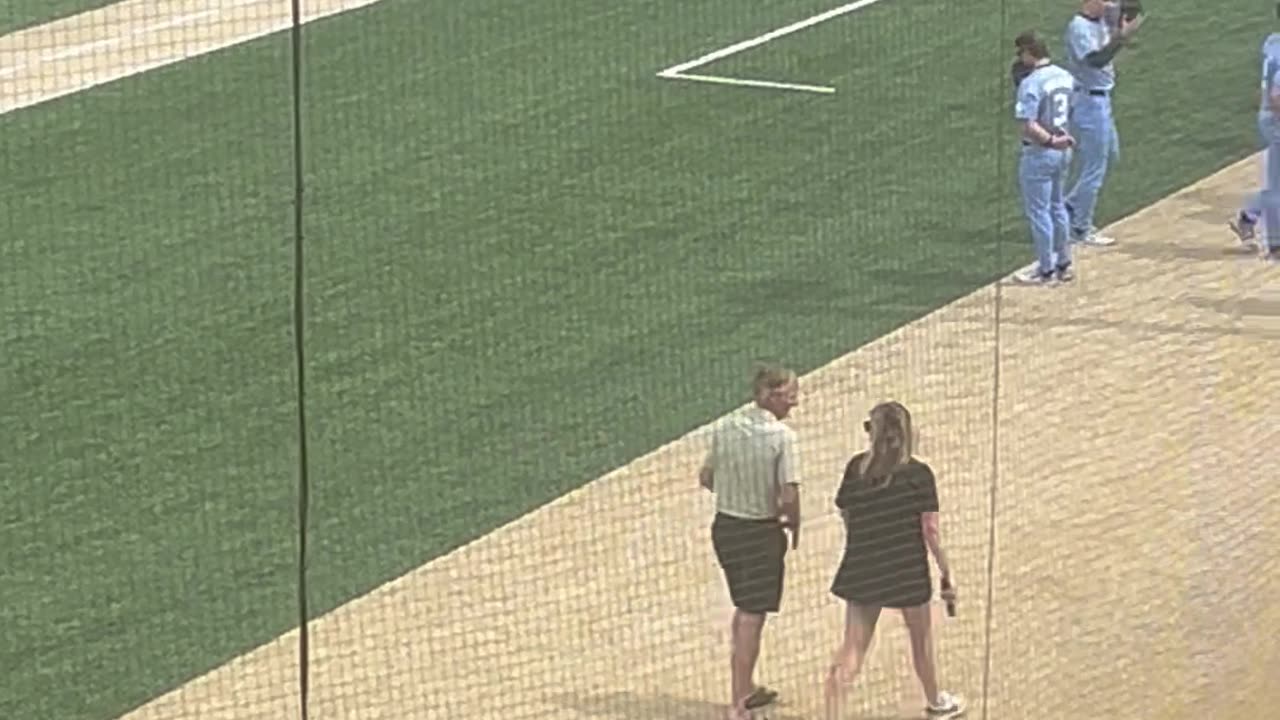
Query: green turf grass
{"type": "Point", "coordinates": [522, 272]}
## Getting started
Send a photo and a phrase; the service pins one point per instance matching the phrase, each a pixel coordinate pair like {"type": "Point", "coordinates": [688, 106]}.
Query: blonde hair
{"type": "Point", "coordinates": [889, 426]}
{"type": "Point", "coordinates": [769, 377]}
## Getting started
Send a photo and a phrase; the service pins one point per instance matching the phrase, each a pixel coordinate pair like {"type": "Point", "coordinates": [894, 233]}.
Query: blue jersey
{"type": "Point", "coordinates": [1111, 15]}
{"type": "Point", "coordinates": [1084, 36]}
{"type": "Point", "coordinates": [1270, 73]}
{"type": "Point", "coordinates": [1045, 96]}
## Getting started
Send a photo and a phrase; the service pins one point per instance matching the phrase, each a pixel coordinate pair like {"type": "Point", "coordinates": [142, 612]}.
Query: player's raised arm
{"type": "Point", "coordinates": [1117, 10]}
{"type": "Point", "coordinates": [1273, 88]}
{"type": "Point", "coordinates": [1101, 56]}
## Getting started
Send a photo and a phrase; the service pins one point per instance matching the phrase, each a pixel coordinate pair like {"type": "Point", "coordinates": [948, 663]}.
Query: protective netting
{"type": "Point", "coordinates": [534, 242]}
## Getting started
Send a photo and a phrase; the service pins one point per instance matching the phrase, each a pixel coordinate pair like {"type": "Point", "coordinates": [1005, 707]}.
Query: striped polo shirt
{"type": "Point", "coordinates": [753, 454]}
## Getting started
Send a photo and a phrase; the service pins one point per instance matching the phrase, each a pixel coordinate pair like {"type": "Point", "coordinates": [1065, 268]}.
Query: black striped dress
{"type": "Point", "coordinates": [885, 563]}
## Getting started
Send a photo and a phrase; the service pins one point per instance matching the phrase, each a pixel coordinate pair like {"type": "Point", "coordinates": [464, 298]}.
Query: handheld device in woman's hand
{"type": "Point", "coordinates": [951, 601]}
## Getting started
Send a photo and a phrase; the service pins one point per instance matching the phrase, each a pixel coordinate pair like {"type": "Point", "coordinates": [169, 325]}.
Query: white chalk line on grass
{"type": "Point", "coordinates": [89, 47]}
{"type": "Point", "coordinates": [767, 84]}
{"type": "Point", "coordinates": [679, 70]}
{"type": "Point", "coordinates": [85, 48]}
{"type": "Point", "coordinates": [118, 72]}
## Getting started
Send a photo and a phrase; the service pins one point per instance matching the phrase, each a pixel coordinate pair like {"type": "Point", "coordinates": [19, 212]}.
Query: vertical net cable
{"type": "Point", "coordinates": [1000, 126]}
{"type": "Point", "coordinates": [299, 317]}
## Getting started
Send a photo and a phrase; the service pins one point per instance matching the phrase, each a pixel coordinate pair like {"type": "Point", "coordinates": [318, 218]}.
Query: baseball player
{"type": "Point", "coordinates": [1265, 205]}
{"type": "Point", "coordinates": [1042, 108]}
{"type": "Point", "coordinates": [1093, 38]}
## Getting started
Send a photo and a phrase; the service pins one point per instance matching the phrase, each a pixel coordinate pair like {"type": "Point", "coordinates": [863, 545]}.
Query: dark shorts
{"type": "Point", "coordinates": [895, 580]}
{"type": "Point", "coordinates": [751, 554]}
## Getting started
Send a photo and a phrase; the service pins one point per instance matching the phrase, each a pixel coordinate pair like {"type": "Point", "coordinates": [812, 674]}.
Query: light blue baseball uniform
{"type": "Point", "coordinates": [1111, 16]}
{"type": "Point", "coordinates": [1094, 128]}
{"type": "Point", "coordinates": [1266, 203]}
{"type": "Point", "coordinates": [1045, 96]}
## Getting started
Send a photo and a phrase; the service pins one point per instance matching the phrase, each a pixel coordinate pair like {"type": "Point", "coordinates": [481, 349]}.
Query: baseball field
{"type": "Point", "coordinates": [545, 240]}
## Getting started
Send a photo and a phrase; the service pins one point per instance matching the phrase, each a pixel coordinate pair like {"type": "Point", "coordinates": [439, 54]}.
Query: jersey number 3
{"type": "Point", "coordinates": [1061, 104]}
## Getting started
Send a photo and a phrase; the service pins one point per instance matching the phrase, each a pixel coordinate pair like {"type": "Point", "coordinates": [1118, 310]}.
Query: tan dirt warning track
{"type": "Point", "coordinates": [1138, 519]}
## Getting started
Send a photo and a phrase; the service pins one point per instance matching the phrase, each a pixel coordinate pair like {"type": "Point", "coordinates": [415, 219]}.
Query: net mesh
{"type": "Point", "coordinates": [541, 246]}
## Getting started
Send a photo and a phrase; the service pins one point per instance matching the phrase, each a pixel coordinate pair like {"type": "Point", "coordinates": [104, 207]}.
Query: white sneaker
{"type": "Point", "coordinates": [1092, 238]}
{"type": "Point", "coordinates": [1083, 237]}
{"type": "Point", "coordinates": [947, 706]}
{"type": "Point", "coordinates": [1033, 276]}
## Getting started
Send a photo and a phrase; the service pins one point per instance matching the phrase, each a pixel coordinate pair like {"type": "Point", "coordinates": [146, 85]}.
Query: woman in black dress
{"type": "Point", "coordinates": [889, 502]}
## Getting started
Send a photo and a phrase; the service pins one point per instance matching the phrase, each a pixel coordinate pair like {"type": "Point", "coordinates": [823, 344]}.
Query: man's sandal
{"type": "Point", "coordinates": [760, 697]}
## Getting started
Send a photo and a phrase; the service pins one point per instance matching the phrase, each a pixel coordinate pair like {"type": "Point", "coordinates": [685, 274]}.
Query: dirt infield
{"type": "Point", "coordinates": [1136, 528]}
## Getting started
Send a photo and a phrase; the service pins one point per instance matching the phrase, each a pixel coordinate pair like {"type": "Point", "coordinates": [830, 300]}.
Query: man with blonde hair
{"type": "Point", "coordinates": [751, 468]}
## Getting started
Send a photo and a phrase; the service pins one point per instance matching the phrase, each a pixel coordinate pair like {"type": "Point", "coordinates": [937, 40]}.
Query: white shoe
{"type": "Point", "coordinates": [947, 706]}
{"type": "Point", "coordinates": [1089, 237]}
{"type": "Point", "coordinates": [1033, 276]}
{"type": "Point", "coordinates": [1092, 238]}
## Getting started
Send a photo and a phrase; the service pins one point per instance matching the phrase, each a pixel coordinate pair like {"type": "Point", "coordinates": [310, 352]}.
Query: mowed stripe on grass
{"type": "Point", "coordinates": [93, 48]}
{"type": "Point", "coordinates": [1124, 405]}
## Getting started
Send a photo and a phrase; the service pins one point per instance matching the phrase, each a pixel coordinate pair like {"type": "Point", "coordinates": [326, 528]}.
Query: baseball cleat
{"type": "Point", "coordinates": [1033, 276]}
{"type": "Point", "coordinates": [1064, 273]}
{"type": "Point", "coordinates": [1092, 238]}
{"type": "Point", "coordinates": [1244, 228]}
{"type": "Point", "coordinates": [1086, 237]}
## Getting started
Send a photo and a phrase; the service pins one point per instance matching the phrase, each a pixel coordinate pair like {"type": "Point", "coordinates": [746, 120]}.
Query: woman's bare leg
{"type": "Point", "coordinates": [919, 622]}
{"type": "Point", "coordinates": [859, 628]}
